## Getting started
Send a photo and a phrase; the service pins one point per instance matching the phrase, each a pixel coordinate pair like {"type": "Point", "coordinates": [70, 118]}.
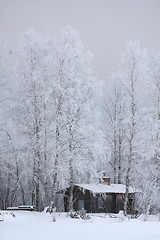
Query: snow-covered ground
{"type": "Point", "coordinates": [38, 226]}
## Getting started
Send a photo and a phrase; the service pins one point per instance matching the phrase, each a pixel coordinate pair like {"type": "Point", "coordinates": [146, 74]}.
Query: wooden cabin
{"type": "Point", "coordinates": [101, 197]}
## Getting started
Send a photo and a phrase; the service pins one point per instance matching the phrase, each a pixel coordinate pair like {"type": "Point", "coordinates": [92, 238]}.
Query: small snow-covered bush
{"type": "Point", "coordinates": [80, 215]}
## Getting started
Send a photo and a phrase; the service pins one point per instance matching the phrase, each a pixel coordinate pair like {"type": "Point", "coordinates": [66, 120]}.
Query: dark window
{"type": "Point", "coordinates": [80, 204]}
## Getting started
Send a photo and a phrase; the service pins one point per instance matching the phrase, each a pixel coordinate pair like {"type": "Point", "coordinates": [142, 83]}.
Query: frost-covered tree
{"type": "Point", "coordinates": [115, 127]}
{"type": "Point", "coordinates": [34, 74]}
{"type": "Point", "coordinates": [73, 90]}
{"type": "Point", "coordinates": [131, 61]}
{"type": "Point", "coordinates": [123, 115]}
{"type": "Point", "coordinates": [8, 178]}
{"type": "Point", "coordinates": [154, 94]}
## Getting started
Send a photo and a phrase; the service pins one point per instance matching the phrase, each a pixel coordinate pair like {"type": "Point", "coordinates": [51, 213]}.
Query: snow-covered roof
{"type": "Point", "coordinates": [104, 188]}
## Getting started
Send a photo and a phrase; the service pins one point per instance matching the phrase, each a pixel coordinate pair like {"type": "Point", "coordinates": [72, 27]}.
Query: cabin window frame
{"type": "Point", "coordinates": [79, 206]}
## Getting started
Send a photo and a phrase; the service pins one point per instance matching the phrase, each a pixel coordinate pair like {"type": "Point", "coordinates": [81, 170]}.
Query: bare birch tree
{"type": "Point", "coordinates": [131, 74]}
{"type": "Point", "coordinates": [115, 129]}
{"type": "Point", "coordinates": [32, 98]}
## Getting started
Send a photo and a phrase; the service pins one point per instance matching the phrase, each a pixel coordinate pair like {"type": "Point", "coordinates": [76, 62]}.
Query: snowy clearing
{"type": "Point", "coordinates": [34, 225]}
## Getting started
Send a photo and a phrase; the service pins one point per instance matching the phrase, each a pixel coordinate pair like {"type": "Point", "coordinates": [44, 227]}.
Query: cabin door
{"type": "Point", "coordinates": [113, 205]}
{"type": "Point", "coordinates": [80, 204]}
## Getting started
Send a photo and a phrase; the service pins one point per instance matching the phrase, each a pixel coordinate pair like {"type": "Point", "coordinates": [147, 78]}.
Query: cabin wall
{"type": "Point", "coordinates": [112, 203]}
{"type": "Point", "coordinates": [95, 203]}
{"type": "Point", "coordinates": [81, 199]}
{"type": "Point", "coordinates": [119, 202]}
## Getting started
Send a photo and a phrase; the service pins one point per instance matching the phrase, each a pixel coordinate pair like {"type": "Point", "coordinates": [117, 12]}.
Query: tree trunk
{"type": "Point", "coordinates": [71, 168]}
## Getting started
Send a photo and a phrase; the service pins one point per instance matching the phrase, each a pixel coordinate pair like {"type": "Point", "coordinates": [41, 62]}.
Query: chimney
{"type": "Point", "coordinates": [105, 180]}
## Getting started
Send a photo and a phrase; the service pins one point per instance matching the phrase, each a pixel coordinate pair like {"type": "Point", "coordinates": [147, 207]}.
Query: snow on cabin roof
{"type": "Point", "coordinates": [104, 188]}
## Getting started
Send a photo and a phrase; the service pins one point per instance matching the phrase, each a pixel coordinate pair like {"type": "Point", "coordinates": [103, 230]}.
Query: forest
{"type": "Point", "coordinates": [60, 124]}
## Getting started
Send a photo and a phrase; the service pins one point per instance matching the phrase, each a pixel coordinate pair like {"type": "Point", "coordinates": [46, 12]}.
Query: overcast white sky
{"type": "Point", "coordinates": [105, 25]}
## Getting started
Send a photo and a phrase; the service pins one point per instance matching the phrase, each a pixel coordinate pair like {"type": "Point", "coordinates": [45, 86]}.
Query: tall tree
{"type": "Point", "coordinates": [34, 57]}
{"type": "Point", "coordinates": [115, 127]}
{"type": "Point", "coordinates": [72, 96]}
{"type": "Point", "coordinates": [131, 61]}
{"type": "Point", "coordinates": [154, 171]}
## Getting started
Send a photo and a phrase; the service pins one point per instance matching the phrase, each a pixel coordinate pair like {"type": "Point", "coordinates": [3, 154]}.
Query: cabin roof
{"type": "Point", "coordinates": [104, 188]}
